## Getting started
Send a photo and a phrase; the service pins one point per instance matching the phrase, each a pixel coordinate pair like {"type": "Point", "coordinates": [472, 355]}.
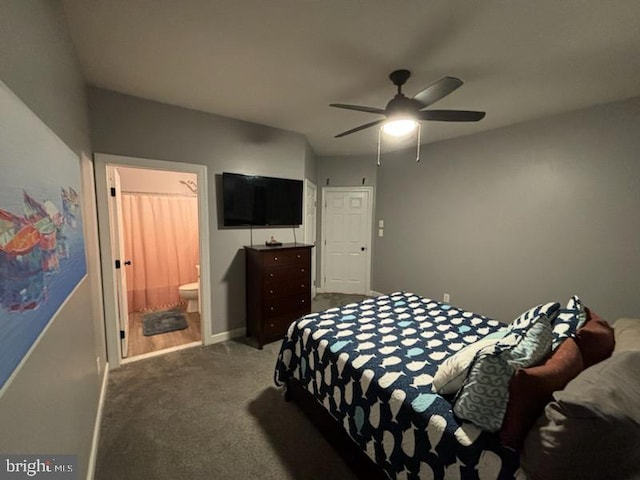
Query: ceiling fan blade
{"type": "Point", "coordinates": [358, 108]}
{"type": "Point", "coordinates": [437, 90]}
{"type": "Point", "coordinates": [361, 127]}
{"type": "Point", "coordinates": [451, 115]}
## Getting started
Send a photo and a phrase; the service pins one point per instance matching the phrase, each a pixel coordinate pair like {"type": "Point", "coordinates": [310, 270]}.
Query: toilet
{"type": "Point", "coordinates": [190, 292]}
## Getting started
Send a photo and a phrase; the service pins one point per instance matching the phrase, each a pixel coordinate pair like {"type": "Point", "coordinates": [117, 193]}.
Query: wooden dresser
{"type": "Point", "coordinates": [278, 289]}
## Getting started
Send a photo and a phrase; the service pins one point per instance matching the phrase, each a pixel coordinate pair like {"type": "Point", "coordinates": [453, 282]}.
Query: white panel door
{"type": "Point", "coordinates": [346, 231]}
{"type": "Point", "coordinates": [310, 213]}
{"type": "Point", "coordinates": [117, 246]}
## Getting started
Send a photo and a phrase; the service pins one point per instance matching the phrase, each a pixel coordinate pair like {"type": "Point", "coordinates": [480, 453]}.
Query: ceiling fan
{"type": "Point", "coordinates": [402, 113]}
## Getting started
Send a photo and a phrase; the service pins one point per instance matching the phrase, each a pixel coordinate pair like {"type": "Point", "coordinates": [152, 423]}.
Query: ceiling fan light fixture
{"type": "Point", "coordinates": [402, 114]}
{"type": "Point", "coordinates": [399, 127]}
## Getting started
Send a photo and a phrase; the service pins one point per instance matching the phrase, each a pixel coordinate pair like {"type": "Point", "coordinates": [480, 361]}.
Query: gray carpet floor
{"type": "Point", "coordinates": [211, 413]}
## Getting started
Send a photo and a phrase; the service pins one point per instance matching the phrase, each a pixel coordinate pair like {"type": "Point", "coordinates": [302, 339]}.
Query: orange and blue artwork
{"type": "Point", "coordinates": [42, 250]}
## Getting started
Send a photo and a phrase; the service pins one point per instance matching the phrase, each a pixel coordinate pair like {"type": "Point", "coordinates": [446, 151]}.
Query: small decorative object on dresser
{"type": "Point", "coordinates": [278, 289]}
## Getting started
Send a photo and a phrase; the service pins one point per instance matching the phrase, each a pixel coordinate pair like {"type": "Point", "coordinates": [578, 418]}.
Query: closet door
{"type": "Point", "coordinates": [346, 230]}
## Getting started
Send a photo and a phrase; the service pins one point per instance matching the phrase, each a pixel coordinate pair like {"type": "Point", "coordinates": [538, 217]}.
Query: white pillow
{"type": "Point", "coordinates": [452, 372]}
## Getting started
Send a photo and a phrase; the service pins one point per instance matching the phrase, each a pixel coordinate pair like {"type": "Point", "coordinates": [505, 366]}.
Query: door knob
{"type": "Point", "coordinates": [127, 262]}
{"type": "Point", "coordinates": [362, 249]}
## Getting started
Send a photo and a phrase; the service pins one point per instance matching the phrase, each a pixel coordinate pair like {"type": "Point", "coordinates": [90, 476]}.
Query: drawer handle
{"type": "Point", "coordinates": [302, 285]}
{"type": "Point", "coordinates": [275, 259]}
{"type": "Point", "coordinates": [302, 301]}
{"type": "Point", "coordinates": [299, 256]}
{"type": "Point", "coordinates": [271, 325]}
{"type": "Point", "coordinates": [271, 292]}
{"type": "Point", "coordinates": [302, 270]}
{"type": "Point", "coordinates": [271, 275]}
{"type": "Point", "coordinates": [271, 308]}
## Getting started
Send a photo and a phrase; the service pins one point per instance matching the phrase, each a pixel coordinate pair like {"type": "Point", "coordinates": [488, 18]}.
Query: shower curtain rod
{"type": "Point", "coordinates": [159, 194]}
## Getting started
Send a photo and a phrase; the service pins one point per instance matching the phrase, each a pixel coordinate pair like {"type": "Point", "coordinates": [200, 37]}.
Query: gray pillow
{"type": "Point", "coordinates": [627, 334]}
{"type": "Point", "coordinates": [591, 430]}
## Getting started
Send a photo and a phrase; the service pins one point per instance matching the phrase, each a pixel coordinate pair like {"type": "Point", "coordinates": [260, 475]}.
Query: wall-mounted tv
{"type": "Point", "coordinates": [262, 201]}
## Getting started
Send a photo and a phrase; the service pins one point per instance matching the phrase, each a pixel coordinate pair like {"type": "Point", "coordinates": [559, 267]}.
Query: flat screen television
{"type": "Point", "coordinates": [261, 201]}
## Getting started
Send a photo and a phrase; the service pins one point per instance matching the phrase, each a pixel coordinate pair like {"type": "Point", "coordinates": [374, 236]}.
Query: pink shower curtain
{"type": "Point", "coordinates": [161, 240]}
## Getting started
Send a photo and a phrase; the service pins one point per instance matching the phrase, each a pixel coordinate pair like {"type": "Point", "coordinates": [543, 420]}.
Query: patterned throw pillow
{"type": "Point", "coordinates": [568, 321]}
{"type": "Point", "coordinates": [525, 321]}
{"type": "Point", "coordinates": [483, 398]}
{"type": "Point", "coordinates": [534, 346]}
{"type": "Point", "coordinates": [452, 372]}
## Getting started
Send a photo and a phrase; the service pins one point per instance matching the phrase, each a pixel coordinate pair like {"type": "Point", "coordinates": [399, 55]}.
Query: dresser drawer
{"type": "Point", "coordinates": [300, 256]}
{"type": "Point", "coordinates": [285, 274]}
{"type": "Point", "coordinates": [286, 288]}
{"type": "Point", "coordinates": [277, 327]}
{"type": "Point", "coordinates": [283, 306]}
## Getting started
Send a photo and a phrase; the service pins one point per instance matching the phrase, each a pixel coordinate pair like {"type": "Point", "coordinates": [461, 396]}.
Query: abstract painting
{"type": "Point", "coordinates": [42, 252]}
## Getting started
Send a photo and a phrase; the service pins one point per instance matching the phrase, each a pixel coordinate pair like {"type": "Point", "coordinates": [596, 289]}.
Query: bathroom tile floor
{"type": "Point", "coordinates": [139, 344]}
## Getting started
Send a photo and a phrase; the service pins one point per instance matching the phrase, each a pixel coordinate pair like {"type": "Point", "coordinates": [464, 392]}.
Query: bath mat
{"type": "Point", "coordinates": [162, 322]}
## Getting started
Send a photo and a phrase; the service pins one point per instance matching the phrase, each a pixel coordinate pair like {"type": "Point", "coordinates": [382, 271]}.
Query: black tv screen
{"type": "Point", "coordinates": [254, 200]}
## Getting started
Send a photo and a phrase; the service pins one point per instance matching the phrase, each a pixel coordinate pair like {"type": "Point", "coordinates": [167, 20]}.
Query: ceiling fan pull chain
{"type": "Point", "coordinates": [418, 153]}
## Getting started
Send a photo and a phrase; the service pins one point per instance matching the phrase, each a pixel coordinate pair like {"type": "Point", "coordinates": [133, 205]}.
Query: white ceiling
{"type": "Point", "coordinates": [281, 62]}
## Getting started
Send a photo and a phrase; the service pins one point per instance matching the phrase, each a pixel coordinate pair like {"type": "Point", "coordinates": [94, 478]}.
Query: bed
{"type": "Point", "coordinates": [364, 374]}
{"type": "Point", "coordinates": [371, 365]}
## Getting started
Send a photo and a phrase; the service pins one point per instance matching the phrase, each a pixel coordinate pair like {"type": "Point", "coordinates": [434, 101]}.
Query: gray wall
{"type": "Point", "coordinates": [131, 126]}
{"type": "Point", "coordinates": [519, 215]}
{"type": "Point", "coordinates": [347, 171]}
{"type": "Point", "coordinates": [310, 164]}
{"type": "Point", "coordinates": [51, 404]}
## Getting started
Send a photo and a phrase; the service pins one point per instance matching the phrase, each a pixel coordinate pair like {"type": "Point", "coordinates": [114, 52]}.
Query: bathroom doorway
{"type": "Point", "coordinates": [157, 261]}
{"type": "Point", "coordinates": [159, 218]}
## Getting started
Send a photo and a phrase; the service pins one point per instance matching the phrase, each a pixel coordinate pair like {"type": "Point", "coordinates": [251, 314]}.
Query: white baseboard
{"type": "Point", "coordinates": [93, 454]}
{"type": "Point", "coordinates": [228, 335]}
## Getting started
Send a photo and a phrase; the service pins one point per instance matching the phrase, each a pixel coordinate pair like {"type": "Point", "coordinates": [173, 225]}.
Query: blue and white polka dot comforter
{"type": "Point", "coordinates": [371, 365]}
